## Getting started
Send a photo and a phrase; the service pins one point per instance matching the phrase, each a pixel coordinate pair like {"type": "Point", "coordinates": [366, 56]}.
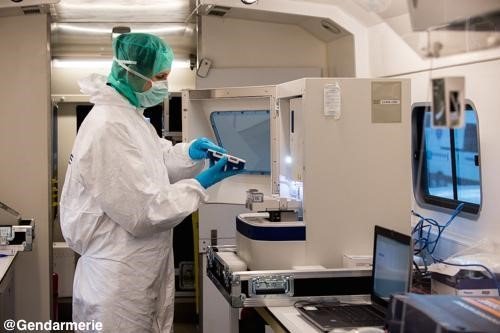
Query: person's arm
{"type": "Point", "coordinates": [114, 172]}
{"type": "Point", "coordinates": [179, 164]}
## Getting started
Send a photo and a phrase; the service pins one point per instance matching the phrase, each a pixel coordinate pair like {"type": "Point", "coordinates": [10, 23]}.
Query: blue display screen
{"type": "Point", "coordinates": [392, 267]}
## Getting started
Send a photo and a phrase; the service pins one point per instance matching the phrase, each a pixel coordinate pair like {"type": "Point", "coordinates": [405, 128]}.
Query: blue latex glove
{"type": "Point", "coordinates": [216, 173]}
{"type": "Point", "coordinates": [199, 147]}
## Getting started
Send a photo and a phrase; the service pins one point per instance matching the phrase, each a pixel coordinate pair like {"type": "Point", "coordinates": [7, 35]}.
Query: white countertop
{"type": "Point", "coordinates": [5, 263]}
{"type": "Point", "coordinates": [289, 317]}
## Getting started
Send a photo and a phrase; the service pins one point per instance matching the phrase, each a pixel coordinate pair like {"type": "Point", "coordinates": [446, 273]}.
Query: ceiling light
{"type": "Point", "coordinates": [375, 6]}
{"type": "Point", "coordinates": [181, 63]}
{"type": "Point", "coordinates": [79, 28]}
{"type": "Point", "coordinates": [102, 63]}
{"type": "Point", "coordinates": [249, 2]}
{"type": "Point", "coordinates": [123, 5]}
{"type": "Point", "coordinates": [176, 28]}
{"type": "Point", "coordinates": [88, 63]}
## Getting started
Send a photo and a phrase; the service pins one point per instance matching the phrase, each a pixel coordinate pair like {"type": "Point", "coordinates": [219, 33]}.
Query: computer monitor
{"type": "Point", "coordinates": [391, 264]}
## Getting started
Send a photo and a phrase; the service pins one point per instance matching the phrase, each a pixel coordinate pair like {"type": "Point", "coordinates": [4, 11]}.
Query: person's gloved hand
{"type": "Point", "coordinates": [199, 147]}
{"type": "Point", "coordinates": [216, 173]}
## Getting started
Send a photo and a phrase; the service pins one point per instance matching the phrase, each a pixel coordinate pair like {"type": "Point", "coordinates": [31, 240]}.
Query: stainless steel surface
{"type": "Point", "coordinates": [82, 28]}
{"type": "Point", "coordinates": [122, 10]}
{"type": "Point", "coordinates": [240, 92]}
{"type": "Point", "coordinates": [93, 40]}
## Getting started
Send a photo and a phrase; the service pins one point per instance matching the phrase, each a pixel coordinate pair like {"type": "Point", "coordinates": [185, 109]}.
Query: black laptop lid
{"type": "Point", "coordinates": [391, 264]}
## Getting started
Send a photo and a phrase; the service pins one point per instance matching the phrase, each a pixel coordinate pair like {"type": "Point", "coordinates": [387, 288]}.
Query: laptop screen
{"type": "Point", "coordinates": [391, 263]}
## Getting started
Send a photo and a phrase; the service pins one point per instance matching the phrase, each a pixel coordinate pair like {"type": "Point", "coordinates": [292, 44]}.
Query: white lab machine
{"type": "Point", "coordinates": [344, 151]}
{"type": "Point", "coordinates": [341, 149]}
{"type": "Point", "coordinates": [339, 155]}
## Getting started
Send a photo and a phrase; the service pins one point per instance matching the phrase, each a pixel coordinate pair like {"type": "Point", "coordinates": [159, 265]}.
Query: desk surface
{"type": "Point", "coordinates": [5, 263]}
{"type": "Point", "coordinates": [289, 317]}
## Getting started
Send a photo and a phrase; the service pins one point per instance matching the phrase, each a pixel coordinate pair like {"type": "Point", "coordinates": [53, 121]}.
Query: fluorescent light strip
{"type": "Point", "coordinates": [70, 63]}
{"type": "Point", "coordinates": [71, 27]}
{"type": "Point", "coordinates": [105, 64]}
{"type": "Point", "coordinates": [142, 7]}
{"type": "Point", "coordinates": [178, 28]}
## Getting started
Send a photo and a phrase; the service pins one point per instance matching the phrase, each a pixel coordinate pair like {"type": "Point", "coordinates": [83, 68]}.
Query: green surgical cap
{"type": "Point", "coordinates": [152, 55]}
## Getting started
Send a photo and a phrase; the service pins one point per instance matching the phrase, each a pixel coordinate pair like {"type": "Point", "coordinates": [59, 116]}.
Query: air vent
{"type": "Point", "coordinates": [29, 10]}
{"type": "Point", "coordinates": [327, 25]}
{"type": "Point", "coordinates": [218, 11]}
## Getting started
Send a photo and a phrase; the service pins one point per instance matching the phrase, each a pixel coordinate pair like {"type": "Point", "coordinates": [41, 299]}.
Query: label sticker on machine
{"type": "Point", "coordinates": [332, 101]}
{"type": "Point", "coordinates": [389, 101]}
{"type": "Point", "coordinates": [386, 101]}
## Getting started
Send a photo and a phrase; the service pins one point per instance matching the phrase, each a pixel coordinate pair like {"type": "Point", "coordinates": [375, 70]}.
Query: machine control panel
{"type": "Point", "coordinates": [271, 285]}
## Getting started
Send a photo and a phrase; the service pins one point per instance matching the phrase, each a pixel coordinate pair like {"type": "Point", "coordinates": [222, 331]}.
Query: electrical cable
{"type": "Point", "coordinates": [423, 242]}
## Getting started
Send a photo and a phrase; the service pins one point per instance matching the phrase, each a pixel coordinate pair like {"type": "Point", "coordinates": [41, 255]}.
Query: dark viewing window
{"type": "Point", "coordinates": [175, 111]}
{"type": "Point", "coordinates": [245, 134]}
{"type": "Point", "coordinates": [446, 162]}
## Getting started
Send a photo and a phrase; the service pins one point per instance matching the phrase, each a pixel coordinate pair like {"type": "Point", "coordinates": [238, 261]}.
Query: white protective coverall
{"type": "Point", "coordinates": [125, 190]}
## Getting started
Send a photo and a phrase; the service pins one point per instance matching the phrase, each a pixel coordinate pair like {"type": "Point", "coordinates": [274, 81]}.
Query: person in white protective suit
{"type": "Point", "coordinates": [125, 190]}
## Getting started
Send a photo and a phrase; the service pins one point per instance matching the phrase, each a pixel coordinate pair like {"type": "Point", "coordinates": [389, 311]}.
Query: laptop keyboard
{"type": "Point", "coordinates": [355, 313]}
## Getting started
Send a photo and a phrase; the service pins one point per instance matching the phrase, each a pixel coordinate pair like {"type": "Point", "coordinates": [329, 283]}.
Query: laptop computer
{"type": "Point", "coordinates": [391, 274]}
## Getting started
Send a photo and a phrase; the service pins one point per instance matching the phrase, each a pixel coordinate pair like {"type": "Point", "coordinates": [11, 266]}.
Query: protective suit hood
{"type": "Point", "coordinates": [100, 93]}
{"type": "Point", "coordinates": [141, 53]}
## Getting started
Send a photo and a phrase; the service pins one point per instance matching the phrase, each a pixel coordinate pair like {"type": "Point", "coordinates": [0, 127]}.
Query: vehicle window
{"type": "Point", "coordinates": [446, 162]}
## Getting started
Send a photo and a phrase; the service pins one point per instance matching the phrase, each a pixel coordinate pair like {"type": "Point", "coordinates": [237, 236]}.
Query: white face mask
{"type": "Point", "coordinates": [154, 95]}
